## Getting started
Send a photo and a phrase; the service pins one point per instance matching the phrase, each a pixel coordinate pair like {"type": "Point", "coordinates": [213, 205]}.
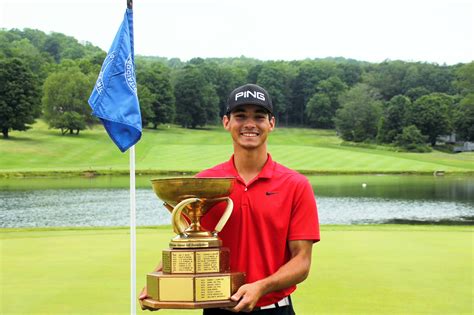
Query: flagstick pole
{"type": "Point", "coordinates": [133, 303]}
{"type": "Point", "coordinates": [133, 236]}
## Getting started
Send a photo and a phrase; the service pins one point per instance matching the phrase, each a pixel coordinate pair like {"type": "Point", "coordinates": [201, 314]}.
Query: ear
{"type": "Point", "coordinates": [272, 123]}
{"type": "Point", "coordinates": [225, 122]}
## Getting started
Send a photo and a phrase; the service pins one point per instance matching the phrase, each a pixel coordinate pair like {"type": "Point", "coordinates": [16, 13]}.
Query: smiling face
{"type": "Point", "coordinates": [249, 126]}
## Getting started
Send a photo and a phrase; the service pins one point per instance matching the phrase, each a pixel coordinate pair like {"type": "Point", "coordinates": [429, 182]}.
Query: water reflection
{"type": "Point", "coordinates": [78, 207]}
{"type": "Point", "coordinates": [455, 188]}
{"type": "Point", "coordinates": [351, 210]}
{"type": "Point", "coordinates": [341, 200]}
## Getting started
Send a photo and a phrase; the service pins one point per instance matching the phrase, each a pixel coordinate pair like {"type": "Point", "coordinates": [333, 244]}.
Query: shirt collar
{"type": "Point", "coordinates": [266, 172]}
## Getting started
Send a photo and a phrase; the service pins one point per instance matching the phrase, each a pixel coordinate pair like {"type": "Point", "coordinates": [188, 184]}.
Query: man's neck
{"type": "Point", "coordinates": [249, 163]}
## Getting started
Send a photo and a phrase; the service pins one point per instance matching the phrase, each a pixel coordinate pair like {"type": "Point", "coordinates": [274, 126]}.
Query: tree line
{"type": "Point", "coordinates": [407, 104]}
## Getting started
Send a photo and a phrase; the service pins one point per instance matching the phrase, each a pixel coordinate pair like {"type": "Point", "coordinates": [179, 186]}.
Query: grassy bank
{"type": "Point", "coordinates": [41, 151]}
{"type": "Point", "coordinates": [356, 270]}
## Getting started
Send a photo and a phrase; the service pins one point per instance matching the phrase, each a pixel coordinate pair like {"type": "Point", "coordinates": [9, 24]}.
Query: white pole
{"type": "Point", "coordinates": [133, 298]}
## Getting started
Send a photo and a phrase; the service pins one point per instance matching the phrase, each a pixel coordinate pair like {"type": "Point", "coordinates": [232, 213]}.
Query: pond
{"type": "Point", "coordinates": [104, 201]}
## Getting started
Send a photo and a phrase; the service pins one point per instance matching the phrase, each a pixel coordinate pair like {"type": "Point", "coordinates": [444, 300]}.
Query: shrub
{"type": "Point", "coordinates": [412, 140]}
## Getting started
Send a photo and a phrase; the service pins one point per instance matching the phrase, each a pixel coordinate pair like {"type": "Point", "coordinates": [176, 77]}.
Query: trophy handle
{"type": "Point", "coordinates": [179, 225]}
{"type": "Point", "coordinates": [225, 216]}
{"type": "Point", "coordinates": [168, 206]}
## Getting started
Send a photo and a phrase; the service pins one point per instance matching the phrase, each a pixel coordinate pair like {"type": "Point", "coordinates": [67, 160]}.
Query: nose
{"type": "Point", "coordinates": [249, 123]}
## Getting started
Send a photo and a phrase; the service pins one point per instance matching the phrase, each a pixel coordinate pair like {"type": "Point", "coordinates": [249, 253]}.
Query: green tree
{"type": "Point", "coordinates": [465, 79]}
{"type": "Point", "coordinates": [53, 47]}
{"type": "Point", "coordinates": [228, 78]}
{"type": "Point", "coordinates": [30, 55]}
{"type": "Point", "coordinates": [211, 103]}
{"type": "Point", "coordinates": [359, 114]}
{"type": "Point", "coordinates": [430, 77]}
{"type": "Point", "coordinates": [156, 78]}
{"type": "Point", "coordinates": [393, 119]}
{"type": "Point", "coordinates": [146, 104]}
{"type": "Point", "coordinates": [304, 86]}
{"type": "Point", "coordinates": [322, 107]}
{"type": "Point", "coordinates": [65, 95]}
{"type": "Point", "coordinates": [19, 96]}
{"type": "Point", "coordinates": [36, 37]}
{"type": "Point", "coordinates": [253, 73]}
{"type": "Point", "coordinates": [351, 72]}
{"type": "Point", "coordinates": [387, 77]}
{"type": "Point", "coordinates": [430, 114]}
{"type": "Point", "coordinates": [195, 99]}
{"type": "Point", "coordinates": [412, 140]}
{"type": "Point", "coordinates": [275, 77]}
{"type": "Point", "coordinates": [207, 67]}
{"type": "Point", "coordinates": [416, 93]}
{"type": "Point", "coordinates": [464, 118]}
{"type": "Point", "coordinates": [319, 112]}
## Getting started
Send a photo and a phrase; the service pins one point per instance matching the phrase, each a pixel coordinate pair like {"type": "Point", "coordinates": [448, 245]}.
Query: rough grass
{"type": "Point", "coordinates": [356, 270]}
{"type": "Point", "coordinates": [41, 150]}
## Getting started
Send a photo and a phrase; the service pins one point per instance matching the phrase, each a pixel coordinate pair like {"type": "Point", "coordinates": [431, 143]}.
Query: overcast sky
{"type": "Point", "coordinates": [440, 31]}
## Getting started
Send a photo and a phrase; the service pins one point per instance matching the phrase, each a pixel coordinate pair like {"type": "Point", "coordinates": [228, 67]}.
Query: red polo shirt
{"type": "Point", "coordinates": [275, 207]}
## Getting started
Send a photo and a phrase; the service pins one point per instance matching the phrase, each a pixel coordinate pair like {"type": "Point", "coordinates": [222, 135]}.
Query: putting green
{"type": "Point", "coordinates": [356, 270]}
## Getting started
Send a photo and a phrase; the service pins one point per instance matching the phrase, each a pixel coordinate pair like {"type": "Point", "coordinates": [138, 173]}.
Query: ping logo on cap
{"type": "Point", "coordinates": [248, 93]}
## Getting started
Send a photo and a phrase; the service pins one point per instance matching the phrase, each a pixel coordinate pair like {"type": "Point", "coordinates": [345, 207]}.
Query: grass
{"type": "Point", "coordinates": [41, 151]}
{"type": "Point", "coordinates": [356, 270]}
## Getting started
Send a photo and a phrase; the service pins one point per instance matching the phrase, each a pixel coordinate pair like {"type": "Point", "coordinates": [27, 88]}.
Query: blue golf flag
{"type": "Point", "coordinates": [114, 98]}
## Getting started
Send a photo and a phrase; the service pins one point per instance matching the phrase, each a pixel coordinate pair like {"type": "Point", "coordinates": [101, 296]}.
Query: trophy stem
{"type": "Point", "coordinates": [195, 227]}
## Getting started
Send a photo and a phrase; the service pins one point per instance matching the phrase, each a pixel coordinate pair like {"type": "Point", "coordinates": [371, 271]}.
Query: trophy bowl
{"type": "Point", "coordinates": [189, 199]}
{"type": "Point", "coordinates": [175, 189]}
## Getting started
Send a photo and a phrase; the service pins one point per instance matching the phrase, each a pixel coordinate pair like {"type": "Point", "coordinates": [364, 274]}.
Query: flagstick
{"type": "Point", "coordinates": [133, 236]}
{"type": "Point", "coordinates": [133, 303]}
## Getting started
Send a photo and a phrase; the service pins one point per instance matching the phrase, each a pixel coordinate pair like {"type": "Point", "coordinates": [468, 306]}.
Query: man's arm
{"type": "Point", "coordinates": [293, 272]}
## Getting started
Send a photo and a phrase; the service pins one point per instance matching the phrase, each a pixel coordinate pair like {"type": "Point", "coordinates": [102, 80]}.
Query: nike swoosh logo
{"type": "Point", "coordinates": [268, 193]}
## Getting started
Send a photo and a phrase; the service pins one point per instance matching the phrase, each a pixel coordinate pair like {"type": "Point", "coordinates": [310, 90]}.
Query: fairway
{"type": "Point", "coordinates": [45, 151]}
{"type": "Point", "coordinates": [356, 270]}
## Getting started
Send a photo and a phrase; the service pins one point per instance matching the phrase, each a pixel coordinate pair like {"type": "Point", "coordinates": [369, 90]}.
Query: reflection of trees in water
{"type": "Point", "coordinates": [461, 220]}
{"type": "Point", "coordinates": [369, 210]}
{"type": "Point", "coordinates": [402, 187]}
{"type": "Point", "coordinates": [341, 200]}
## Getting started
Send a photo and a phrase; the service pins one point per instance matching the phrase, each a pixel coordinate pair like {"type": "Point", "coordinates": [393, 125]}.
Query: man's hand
{"type": "Point", "coordinates": [144, 294]}
{"type": "Point", "coordinates": [247, 296]}
{"type": "Point", "coordinates": [291, 273]}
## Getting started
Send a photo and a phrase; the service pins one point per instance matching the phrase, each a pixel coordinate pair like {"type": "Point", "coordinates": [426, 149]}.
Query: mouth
{"type": "Point", "coordinates": [249, 134]}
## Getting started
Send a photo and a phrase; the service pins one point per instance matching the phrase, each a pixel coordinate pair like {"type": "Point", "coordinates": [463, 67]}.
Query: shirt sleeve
{"type": "Point", "coordinates": [304, 223]}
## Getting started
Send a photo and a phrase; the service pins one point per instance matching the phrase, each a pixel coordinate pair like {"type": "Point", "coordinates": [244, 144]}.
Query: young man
{"type": "Point", "coordinates": [274, 223]}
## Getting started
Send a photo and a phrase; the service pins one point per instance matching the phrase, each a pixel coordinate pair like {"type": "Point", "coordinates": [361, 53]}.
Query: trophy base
{"type": "Point", "coordinates": [153, 304]}
{"type": "Point", "coordinates": [192, 291]}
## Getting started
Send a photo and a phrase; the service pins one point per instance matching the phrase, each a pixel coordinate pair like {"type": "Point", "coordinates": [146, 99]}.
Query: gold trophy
{"type": "Point", "coordinates": [196, 268]}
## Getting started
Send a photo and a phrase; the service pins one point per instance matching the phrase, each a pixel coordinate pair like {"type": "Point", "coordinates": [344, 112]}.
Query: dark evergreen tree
{"type": "Point", "coordinates": [19, 96]}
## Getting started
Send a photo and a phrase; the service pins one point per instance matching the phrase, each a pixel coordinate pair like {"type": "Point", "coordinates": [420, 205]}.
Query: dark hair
{"type": "Point", "coordinates": [270, 114]}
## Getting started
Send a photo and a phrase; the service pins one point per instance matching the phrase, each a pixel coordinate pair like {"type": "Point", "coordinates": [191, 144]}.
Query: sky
{"type": "Point", "coordinates": [435, 31]}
